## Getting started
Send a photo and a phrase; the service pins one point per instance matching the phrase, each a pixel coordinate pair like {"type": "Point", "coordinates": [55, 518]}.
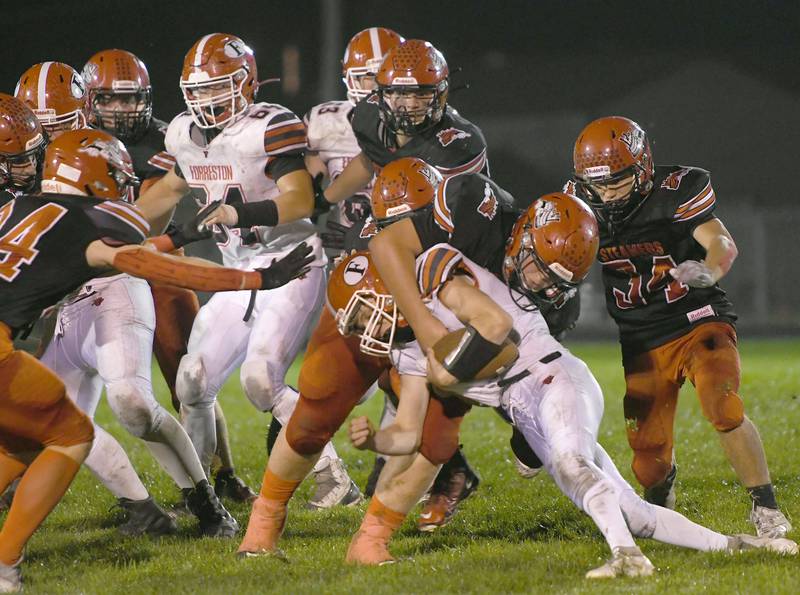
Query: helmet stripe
{"type": "Point", "coordinates": [201, 45]}
{"type": "Point", "coordinates": [42, 87]}
{"type": "Point", "coordinates": [375, 39]}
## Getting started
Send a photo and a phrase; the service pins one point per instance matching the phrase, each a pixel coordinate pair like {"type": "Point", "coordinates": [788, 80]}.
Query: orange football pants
{"type": "Point", "coordinates": [176, 309]}
{"type": "Point", "coordinates": [334, 376]}
{"type": "Point", "coordinates": [34, 409]}
{"type": "Point", "coordinates": [708, 357]}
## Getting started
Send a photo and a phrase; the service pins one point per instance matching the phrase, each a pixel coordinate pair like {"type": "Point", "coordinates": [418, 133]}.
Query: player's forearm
{"type": "Point", "coordinates": [720, 256]}
{"type": "Point", "coordinates": [355, 177]}
{"type": "Point", "coordinates": [158, 203]}
{"type": "Point", "coordinates": [397, 440]}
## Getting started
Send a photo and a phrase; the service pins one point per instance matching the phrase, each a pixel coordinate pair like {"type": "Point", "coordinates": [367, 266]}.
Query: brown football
{"type": "Point", "coordinates": [500, 362]}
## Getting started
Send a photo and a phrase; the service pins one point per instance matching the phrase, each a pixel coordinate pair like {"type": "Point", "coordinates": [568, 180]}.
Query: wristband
{"type": "Point", "coordinates": [471, 355]}
{"type": "Point", "coordinates": [264, 212]}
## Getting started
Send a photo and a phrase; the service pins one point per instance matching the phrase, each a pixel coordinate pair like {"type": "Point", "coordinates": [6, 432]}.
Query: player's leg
{"type": "Point", "coordinates": [387, 418]}
{"type": "Point", "coordinates": [217, 346]}
{"type": "Point", "coordinates": [651, 398]}
{"type": "Point", "coordinates": [34, 413]}
{"type": "Point", "coordinates": [270, 353]}
{"type": "Point", "coordinates": [333, 376]}
{"type": "Point", "coordinates": [712, 365]}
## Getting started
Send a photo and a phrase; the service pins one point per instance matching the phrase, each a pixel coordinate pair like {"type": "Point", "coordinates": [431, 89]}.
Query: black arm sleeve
{"type": "Point", "coordinates": [278, 167]}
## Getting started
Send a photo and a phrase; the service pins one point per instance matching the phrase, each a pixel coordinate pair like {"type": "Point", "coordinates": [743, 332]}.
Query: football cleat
{"type": "Point", "coordinates": [663, 494]}
{"type": "Point", "coordinates": [372, 480]}
{"type": "Point", "coordinates": [369, 550]}
{"type": "Point", "coordinates": [524, 471]}
{"type": "Point", "coordinates": [229, 485]}
{"type": "Point", "coordinates": [780, 545]}
{"type": "Point", "coordinates": [215, 521]}
{"type": "Point", "coordinates": [11, 577]}
{"type": "Point", "coordinates": [769, 522]}
{"type": "Point", "coordinates": [334, 488]}
{"type": "Point", "coordinates": [146, 517]}
{"type": "Point", "coordinates": [267, 520]}
{"type": "Point", "coordinates": [625, 561]}
{"type": "Point", "coordinates": [445, 497]}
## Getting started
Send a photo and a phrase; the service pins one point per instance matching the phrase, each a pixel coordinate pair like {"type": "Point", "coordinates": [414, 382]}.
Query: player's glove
{"type": "Point", "coordinates": [693, 274]}
{"type": "Point", "coordinates": [341, 237]}
{"type": "Point", "coordinates": [321, 204]}
{"type": "Point", "coordinates": [192, 230]}
{"type": "Point", "coordinates": [293, 265]}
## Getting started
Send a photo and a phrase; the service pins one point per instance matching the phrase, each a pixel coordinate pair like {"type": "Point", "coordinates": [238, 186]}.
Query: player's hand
{"type": "Point", "coordinates": [437, 374]}
{"type": "Point", "coordinates": [220, 214]}
{"type": "Point", "coordinates": [321, 204]}
{"type": "Point", "coordinates": [293, 265]}
{"type": "Point", "coordinates": [193, 230]}
{"type": "Point", "coordinates": [693, 274]}
{"type": "Point", "coordinates": [340, 237]}
{"type": "Point", "coordinates": [362, 433]}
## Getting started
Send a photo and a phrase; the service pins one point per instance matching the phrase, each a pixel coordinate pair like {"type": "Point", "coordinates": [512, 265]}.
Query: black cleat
{"type": "Point", "coordinates": [228, 485]}
{"type": "Point", "coordinates": [663, 494]}
{"type": "Point", "coordinates": [146, 517]}
{"type": "Point", "coordinates": [215, 521]}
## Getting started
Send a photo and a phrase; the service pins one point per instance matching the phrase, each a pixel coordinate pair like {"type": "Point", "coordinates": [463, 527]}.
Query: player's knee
{"type": "Point", "coordinates": [726, 412]}
{"type": "Point", "coordinates": [639, 515]}
{"type": "Point", "coordinates": [651, 467]}
{"type": "Point", "coordinates": [312, 425]}
{"type": "Point", "coordinates": [192, 381]}
{"type": "Point", "coordinates": [577, 474]}
{"type": "Point", "coordinates": [439, 448]}
{"type": "Point", "coordinates": [133, 406]}
{"type": "Point", "coordinates": [261, 384]}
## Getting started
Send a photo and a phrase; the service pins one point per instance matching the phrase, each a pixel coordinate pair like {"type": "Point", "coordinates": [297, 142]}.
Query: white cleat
{"type": "Point", "coordinates": [779, 545]}
{"type": "Point", "coordinates": [769, 522]}
{"type": "Point", "coordinates": [10, 577]}
{"type": "Point", "coordinates": [625, 561]}
{"type": "Point", "coordinates": [334, 488]}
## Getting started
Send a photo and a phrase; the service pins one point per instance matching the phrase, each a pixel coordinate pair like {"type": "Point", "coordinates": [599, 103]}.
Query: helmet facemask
{"type": "Point", "coordinates": [377, 332]}
{"type": "Point", "coordinates": [23, 171]}
{"type": "Point", "coordinates": [127, 123]}
{"type": "Point", "coordinates": [214, 102]}
{"type": "Point", "coordinates": [409, 123]}
{"type": "Point", "coordinates": [354, 77]}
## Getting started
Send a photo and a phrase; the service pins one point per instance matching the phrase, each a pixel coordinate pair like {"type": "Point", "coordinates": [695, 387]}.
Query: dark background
{"type": "Point", "coordinates": [715, 84]}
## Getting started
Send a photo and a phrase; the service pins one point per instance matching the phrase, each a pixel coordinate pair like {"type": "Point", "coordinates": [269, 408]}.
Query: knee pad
{"type": "Point", "coordinates": [313, 424]}
{"type": "Point", "coordinates": [651, 466]}
{"type": "Point", "coordinates": [192, 381]}
{"type": "Point", "coordinates": [260, 384]}
{"type": "Point", "coordinates": [133, 405]}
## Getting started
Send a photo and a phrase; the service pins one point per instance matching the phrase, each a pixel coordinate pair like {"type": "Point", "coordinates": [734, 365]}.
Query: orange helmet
{"type": "Point", "coordinates": [22, 144]}
{"type": "Point", "coordinates": [608, 151]}
{"type": "Point", "coordinates": [403, 186]}
{"type": "Point", "coordinates": [558, 234]}
{"type": "Point", "coordinates": [90, 163]}
{"type": "Point", "coordinates": [364, 307]}
{"type": "Point", "coordinates": [218, 80]}
{"type": "Point", "coordinates": [363, 57]}
{"type": "Point", "coordinates": [120, 98]}
{"type": "Point", "coordinates": [415, 68]}
{"type": "Point", "coordinates": [57, 95]}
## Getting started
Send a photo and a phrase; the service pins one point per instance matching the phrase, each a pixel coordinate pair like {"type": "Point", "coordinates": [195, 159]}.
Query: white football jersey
{"type": "Point", "coordinates": [331, 137]}
{"type": "Point", "coordinates": [233, 166]}
{"type": "Point", "coordinates": [434, 268]}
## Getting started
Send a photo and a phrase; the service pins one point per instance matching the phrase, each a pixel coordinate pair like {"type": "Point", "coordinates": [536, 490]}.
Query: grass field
{"type": "Point", "coordinates": [513, 535]}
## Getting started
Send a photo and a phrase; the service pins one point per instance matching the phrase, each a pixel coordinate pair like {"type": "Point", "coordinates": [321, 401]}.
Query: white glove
{"type": "Point", "coordinates": [693, 274]}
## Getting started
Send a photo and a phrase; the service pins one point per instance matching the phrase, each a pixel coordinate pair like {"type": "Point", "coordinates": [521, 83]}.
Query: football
{"type": "Point", "coordinates": [501, 362]}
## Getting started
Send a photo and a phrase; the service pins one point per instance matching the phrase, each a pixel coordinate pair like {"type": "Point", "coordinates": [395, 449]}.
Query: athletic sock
{"type": "Point", "coordinates": [763, 496]}
{"type": "Point", "coordinates": [380, 520]}
{"type": "Point", "coordinates": [276, 488]}
{"type": "Point", "coordinates": [42, 486]}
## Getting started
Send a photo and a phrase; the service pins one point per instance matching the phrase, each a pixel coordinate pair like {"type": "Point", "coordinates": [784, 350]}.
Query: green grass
{"type": "Point", "coordinates": [513, 535]}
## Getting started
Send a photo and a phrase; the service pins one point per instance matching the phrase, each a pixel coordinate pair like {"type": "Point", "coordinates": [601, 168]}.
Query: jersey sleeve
{"type": "Point", "coordinates": [284, 144]}
{"type": "Point", "coordinates": [409, 360]}
{"type": "Point", "coordinates": [697, 203]}
{"type": "Point", "coordinates": [119, 223]}
{"type": "Point", "coordinates": [436, 266]}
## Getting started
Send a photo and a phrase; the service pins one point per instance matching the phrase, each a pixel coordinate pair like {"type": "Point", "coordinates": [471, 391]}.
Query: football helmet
{"type": "Point", "coordinates": [57, 95]}
{"type": "Point", "coordinates": [22, 145]}
{"type": "Point", "coordinates": [403, 186]}
{"type": "Point", "coordinates": [90, 163]}
{"type": "Point", "coordinates": [363, 306]}
{"type": "Point", "coordinates": [363, 57]}
{"type": "Point", "coordinates": [218, 80]}
{"type": "Point", "coordinates": [557, 235]}
{"type": "Point", "coordinates": [120, 98]}
{"type": "Point", "coordinates": [413, 82]}
{"type": "Point", "coordinates": [608, 151]}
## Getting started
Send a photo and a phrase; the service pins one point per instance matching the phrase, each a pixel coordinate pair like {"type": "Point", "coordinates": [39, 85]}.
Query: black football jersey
{"type": "Point", "coordinates": [43, 242]}
{"type": "Point", "coordinates": [454, 146]}
{"type": "Point", "coordinates": [150, 157]}
{"type": "Point", "coordinates": [649, 306]}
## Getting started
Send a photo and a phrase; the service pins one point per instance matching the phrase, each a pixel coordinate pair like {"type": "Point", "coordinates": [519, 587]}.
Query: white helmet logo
{"type": "Point", "coordinates": [546, 213]}
{"type": "Point", "coordinates": [235, 48]}
{"type": "Point", "coordinates": [78, 87]}
{"type": "Point", "coordinates": [355, 270]}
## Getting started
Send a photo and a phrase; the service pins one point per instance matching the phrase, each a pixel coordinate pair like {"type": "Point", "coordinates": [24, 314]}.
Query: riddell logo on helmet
{"type": "Point", "coordinates": [398, 210]}
{"type": "Point", "coordinates": [404, 80]}
{"type": "Point", "coordinates": [449, 135]}
{"type": "Point", "coordinates": [598, 171]}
